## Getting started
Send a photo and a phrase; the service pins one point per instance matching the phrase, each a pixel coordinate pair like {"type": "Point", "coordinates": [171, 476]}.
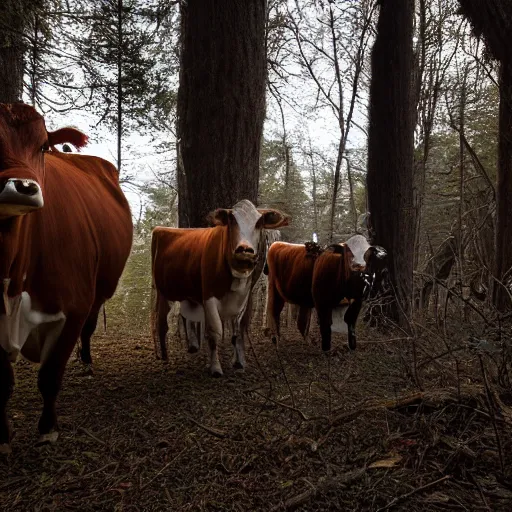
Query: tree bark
{"type": "Point", "coordinates": [11, 51]}
{"type": "Point", "coordinates": [221, 105]}
{"type": "Point", "coordinates": [390, 147]}
{"type": "Point", "coordinates": [503, 254]}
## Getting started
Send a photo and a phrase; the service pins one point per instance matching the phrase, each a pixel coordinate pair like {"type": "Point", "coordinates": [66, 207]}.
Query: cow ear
{"type": "Point", "coordinates": [219, 217]}
{"type": "Point", "coordinates": [72, 135]}
{"type": "Point", "coordinates": [274, 219]}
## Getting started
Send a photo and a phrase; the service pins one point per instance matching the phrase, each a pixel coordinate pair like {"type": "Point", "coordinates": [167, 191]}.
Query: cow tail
{"type": "Point", "coordinates": [154, 306]}
{"type": "Point", "coordinates": [104, 318]}
{"type": "Point", "coordinates": [154, 302]}
{"type": "Point", "coordinates": [265, 268]}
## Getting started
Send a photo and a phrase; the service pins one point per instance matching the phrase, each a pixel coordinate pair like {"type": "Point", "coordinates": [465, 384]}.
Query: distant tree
{"type": "Point", "coordinates": [334, 66]}
{"type": "Point", "coordinates": [282, 186]}
{"type": "Point", "coordinates": [390, 146]}
{"type": "Point", "coordinates": [118, 43]}
{"type": "Point", "coordinates": [221, 105]}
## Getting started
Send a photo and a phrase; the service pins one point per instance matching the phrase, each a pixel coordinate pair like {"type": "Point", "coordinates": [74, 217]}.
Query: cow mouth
{"type": "Point", "coordinates": [244, 262]}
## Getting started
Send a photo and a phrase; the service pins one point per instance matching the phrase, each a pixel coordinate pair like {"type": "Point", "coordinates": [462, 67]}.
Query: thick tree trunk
{"type": "Point", "coordinates": [390, 146]}
{"type": "Point", "coordinates": [11, 51]}
{"type": "Point", "coordinates": [221, 105]}
{"type": "Point", "coordinates": [503, 255]}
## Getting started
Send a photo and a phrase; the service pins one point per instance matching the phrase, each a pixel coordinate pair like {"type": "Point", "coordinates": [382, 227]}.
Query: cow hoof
{"type": "Point", "coordinates": [50, 438]}
{"type": "Point", "coordinates": [193, 349]}
{"type": "Point", "coordinates": [238, 365]}
{"type": "Point", "coordinates": [5, 449]}
{"type": "Point", "coordinates": [274, 340]}
{"type": "Point", "coordinates": [216, 374]}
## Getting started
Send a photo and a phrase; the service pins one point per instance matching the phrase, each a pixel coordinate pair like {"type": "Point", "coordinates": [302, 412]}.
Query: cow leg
{"type": "Point", "coordinates": [275, 305]}
{"type": "Point", "coordinates": [6, 388]}
{"type": "Point", "coordinates": [50, 376]}
{"type": "Point", "coordinates": [242, 333]}
{"type": "Point", "coordinates": [325, 322]}
{"type": "Point", "coordinates": [213, 334]}
{"type": "Point", "coordinates": [160, 326]}
{"type": "Point", "coordinates": [350, 319]}
{"type": "Point", "coordinates": [193, 335]}
{"type": "Point", "coordinates": [304, 321]}
{"type": "Point", "coordinates": [85, 337]}
{"type": "Point", "coordinates": [238, 342]}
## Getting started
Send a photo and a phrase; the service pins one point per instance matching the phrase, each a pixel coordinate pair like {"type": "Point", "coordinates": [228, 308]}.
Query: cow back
{"type": "Point", "coordinates": [190, 264]}
{"type": "Point", "coordinates": [291, 272]}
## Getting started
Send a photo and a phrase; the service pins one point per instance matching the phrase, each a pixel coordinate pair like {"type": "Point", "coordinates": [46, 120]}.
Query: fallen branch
{"type": "Point", "coordinates": [92, 436]}
{"type": "Point", "coordinates": [396, 500]}
{"type": "Point", "coordinates": [213, 431]}
{"type": "Point", "coordinates": [322, 486]}
{"type": "Point", "coordinates": [291, 408]}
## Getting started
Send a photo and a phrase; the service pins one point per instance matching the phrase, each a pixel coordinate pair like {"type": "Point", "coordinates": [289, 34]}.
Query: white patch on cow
{"type": "Point", "coordinates": [241, 275]}
{"type": "Point", "coordinates": [26, 330]}
{"type": "Point", "coordinates": [358, 246]}
{"type": "Point", "coordinates": [247, 216]}
{"type": "Point", "coordinates": [192, 311]}
{"type": "Point", "coordinates": [338, 319]}
{"type": "Point", "coordinates": [193, 314]}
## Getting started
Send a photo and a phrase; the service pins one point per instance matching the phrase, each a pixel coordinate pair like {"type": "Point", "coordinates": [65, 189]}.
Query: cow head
{"type": "Point", "coordinates": [23, 142]}
{"type": "Point", "coordinates": [245, 225]}
{"type": "Point", "coordinates": [376, 272]}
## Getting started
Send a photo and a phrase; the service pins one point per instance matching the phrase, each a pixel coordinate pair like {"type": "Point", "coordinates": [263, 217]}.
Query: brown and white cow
{"type": "Point", "coordinates": [210, 271]}
{"type": "Point", "coordinates": [334, 282]}
{"type": "Point", "coordinates": [66, 232]}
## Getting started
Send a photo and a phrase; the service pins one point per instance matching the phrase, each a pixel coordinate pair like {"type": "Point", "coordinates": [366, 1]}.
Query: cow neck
{"type": "Point", "coordinates": [227, 251]}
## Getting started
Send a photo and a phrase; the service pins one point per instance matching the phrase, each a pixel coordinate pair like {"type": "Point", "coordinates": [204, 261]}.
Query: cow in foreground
{"type": "Point", "coordinates": [66, 232]}
{"type": "Point", "coordinates": [210, 271]}
{"type": "Point", "coordinates": [334, 282]}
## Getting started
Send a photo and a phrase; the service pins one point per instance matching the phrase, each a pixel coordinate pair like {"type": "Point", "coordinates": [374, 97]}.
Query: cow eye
{"type": "Point", "coordinates": [45, 147]}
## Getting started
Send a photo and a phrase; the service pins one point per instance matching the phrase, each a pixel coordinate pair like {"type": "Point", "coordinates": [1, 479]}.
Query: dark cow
{"type": "Point", "coordinates": [211, 272]}
{"type": "Point", "coordinates": [334, 282]}
{"type": "Point", "coordinates": [58, 262]}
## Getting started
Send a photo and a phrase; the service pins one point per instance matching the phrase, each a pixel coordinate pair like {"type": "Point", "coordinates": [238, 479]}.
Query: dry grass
{"type": "Point", "coordinates": [297, 430]}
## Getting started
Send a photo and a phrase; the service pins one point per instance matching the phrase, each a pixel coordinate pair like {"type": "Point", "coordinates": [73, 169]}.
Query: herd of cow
{"type": "Point", "coordinates": [60, 263]}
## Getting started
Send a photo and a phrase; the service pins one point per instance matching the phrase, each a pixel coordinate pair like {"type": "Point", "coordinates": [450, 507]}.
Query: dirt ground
{"type": "Point", "coordinates": [296, 430]}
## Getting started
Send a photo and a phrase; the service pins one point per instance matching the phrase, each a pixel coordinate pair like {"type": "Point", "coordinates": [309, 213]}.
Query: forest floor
{"type": "Point", "coordinates": [296, 431]}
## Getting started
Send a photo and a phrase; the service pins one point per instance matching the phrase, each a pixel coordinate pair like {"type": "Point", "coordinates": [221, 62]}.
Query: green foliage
{"type": "Point", "coordinates": [282, 186]}
{"type": "Point", "coordinates": [128, 312]}
{"type": "Point", "coordinates": [161, 210]}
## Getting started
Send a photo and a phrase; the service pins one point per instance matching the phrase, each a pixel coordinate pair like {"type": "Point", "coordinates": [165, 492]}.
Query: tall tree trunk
{"type": "Point", "coordinates": [119, 82]}
{"type": "Point", "coordinates": [11, 51]}
{"type": "Point", "coordinates": [390, 146]}
{"type": "Point", "coordinates": [221, 105]}
{"type": "Point", "coordinates": [492, 20]}
{"type": "Point", "coordinates": [503, 258]}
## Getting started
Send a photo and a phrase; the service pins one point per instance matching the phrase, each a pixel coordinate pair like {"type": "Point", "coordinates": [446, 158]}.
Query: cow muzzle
{"type": "Point", "coordinates": [19, 196]}
{"type": "Point", "coordinates": [244, 258]}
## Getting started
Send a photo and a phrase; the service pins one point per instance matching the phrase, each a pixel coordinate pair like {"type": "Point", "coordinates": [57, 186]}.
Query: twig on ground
{"type": "Point", "coordinates": [213, 431]}
{"type": "Point", "coordinates": [398, 499]}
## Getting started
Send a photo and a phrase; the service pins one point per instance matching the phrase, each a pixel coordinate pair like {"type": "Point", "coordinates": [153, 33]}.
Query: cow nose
{"type": "Point", "coordinates": [26, 187]}
{"type": "Point", "coordinates": [244, 248]}
{"type": "Point", "coordinates": [19, 196]}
